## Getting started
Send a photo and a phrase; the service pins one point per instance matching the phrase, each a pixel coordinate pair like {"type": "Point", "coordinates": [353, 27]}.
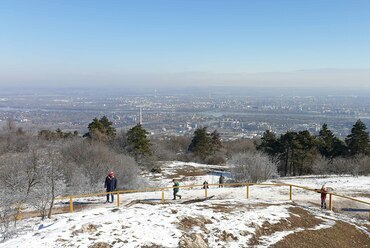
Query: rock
{"type": "Point", "coordinates": [89, 228]}
{"type": "Point", "coordinates": [61, 240]}
{"type": "Point", "coordinates": [194, 240]}
{"type": "Point", "coordinates": [86, 228]}
{"type": "Point", "coordinates": [151, 246]}
{"type": "Point", "coordinates": [100, 245]}
{"type": "Point", "coordinates": [228, 237]}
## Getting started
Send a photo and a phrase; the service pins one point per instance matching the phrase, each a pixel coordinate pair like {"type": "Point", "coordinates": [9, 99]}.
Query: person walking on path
{"type": "Point", "coordinates": [176, 189]}
{"type": "Point", "coordinates": [221, 181]}
{"type": "Point", "coordinates": [110, 185]}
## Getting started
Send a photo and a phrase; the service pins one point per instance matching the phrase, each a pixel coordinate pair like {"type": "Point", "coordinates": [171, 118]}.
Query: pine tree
{"type": "Point", "coordinates": [216, 144]}
{"type": "Point", "coordinates": [269, 144]}
{"type": "Point", "coordinates": [138, 142]}
{"type": "Point", "coordinates": [329, 145]}
{"type": "Point", "coordinates": [358, 141]}
{"type": "Point", "coordinates": [101, 129]}
{"type": "Point", "coordinates": [200, 145]}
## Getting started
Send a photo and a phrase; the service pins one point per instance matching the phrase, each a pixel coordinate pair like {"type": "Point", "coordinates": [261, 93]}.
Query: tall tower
{"type": "Point", "coordinates": [140, 117]}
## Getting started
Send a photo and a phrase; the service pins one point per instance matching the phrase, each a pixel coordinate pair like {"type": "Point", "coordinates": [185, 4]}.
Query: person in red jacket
{"type": "Point", "coordinates": [324, 192]}
{"type": "Point", "coordinates": [110, 185]}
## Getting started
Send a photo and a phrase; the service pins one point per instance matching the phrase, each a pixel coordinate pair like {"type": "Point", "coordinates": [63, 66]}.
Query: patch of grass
{"type": "Point", "coordinates": [299, 218]}
{"type": "Point", "coordinates": [340, 235]}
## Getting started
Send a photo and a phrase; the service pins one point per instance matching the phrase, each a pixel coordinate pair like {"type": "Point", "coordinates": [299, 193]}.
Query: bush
{"type": "Point", "coordinates": [252, 167]}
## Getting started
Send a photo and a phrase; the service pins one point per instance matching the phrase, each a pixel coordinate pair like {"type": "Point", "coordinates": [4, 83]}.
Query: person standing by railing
{"type": "Point", "coordinates": [110, 185]}
{"type": "Point", "coordinates": [176, 189]}
{"type": "Point", "coordinates": [324, 192]}
{"type": "Point", "coordinates": [221, 181]}
{"type": "Point", "coordinates": [205, 184]}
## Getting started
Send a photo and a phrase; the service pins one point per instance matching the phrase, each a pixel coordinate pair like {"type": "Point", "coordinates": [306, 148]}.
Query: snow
{"type": "Point", "coordinates": [143, 224]}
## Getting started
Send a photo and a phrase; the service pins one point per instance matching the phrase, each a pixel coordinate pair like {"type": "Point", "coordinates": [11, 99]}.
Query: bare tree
{"type": "Point", "coordinates": [56, 177]}
{"type": "Point", "coordinates": [320, 166]}
{"type": "Point", "coordinates": [7, 226]}
{"type": "Point", "coordinates": [339, 166]}
{"type": "Point", "coordinates": [252, 167]}
{"type": "Point", "coordinates": [13, 139]}
{"type": "Point", "coordinates": [50, 181]}
{"type": "Point", "coordinates": [87, 164]}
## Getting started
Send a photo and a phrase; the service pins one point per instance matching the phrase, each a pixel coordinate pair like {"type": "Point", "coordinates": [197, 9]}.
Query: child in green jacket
{"type": "Point", "coordinates": [176, 189]}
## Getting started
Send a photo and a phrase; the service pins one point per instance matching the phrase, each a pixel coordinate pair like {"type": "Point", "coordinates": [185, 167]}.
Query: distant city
{"type": "Point", "coordinates": [235, 113]}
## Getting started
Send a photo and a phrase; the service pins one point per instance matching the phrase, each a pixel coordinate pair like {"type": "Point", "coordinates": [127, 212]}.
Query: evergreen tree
{"type": "Point", "coordinates": [306, 153]}
{"type": "Point", "coordinates": [216, 144]}
{"type": "Point", "coordinates": [138, 142]}
{"type": "Point", "coordinates": [101, 129]}
{"type": "Point", "coordinates": [269, 144]}
{"type": "Point", "coordinates": [207, 147]}
{"type": "Point", "coordinates": [200, 145]}
{"type": "Point", "coordinates": [287, 146]}
{"type": "Point", "coordinates": [329, 145]}
{"type": "Point", "coordinates": [358, 141]}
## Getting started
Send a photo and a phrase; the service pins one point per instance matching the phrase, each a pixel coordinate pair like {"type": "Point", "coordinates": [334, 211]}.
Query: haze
{"type": "Point", "coordinates": [185, 43]}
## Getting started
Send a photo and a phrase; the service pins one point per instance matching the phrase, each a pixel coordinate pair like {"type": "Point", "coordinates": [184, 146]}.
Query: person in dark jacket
{"type": "Point", "coordinates": [110, 185]}
{"type": "Point", "coordinates": [205, 184]}
{"type": "Point", "coordinates": [221, 181]}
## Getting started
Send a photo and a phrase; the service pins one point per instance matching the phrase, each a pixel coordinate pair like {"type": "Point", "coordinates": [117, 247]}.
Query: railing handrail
{"type": "Point", "coordinates": [342, 196]}
{"type": "Point", "coordinates": [201, 185]}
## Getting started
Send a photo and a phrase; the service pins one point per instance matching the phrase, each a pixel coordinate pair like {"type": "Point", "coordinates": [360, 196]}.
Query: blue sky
{"type": "Point", "coordinates": [81, 41]}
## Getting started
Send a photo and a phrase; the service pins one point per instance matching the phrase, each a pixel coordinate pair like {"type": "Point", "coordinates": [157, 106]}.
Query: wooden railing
{"type": "Point", "coordinates": [246, 185]}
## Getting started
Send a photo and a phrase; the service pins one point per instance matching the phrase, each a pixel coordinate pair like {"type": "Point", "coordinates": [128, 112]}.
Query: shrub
{"type": "Point", "coordinates": [252, 167]}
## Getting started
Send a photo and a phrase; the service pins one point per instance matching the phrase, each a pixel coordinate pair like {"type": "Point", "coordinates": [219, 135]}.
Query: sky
{"type": "Point", "coordinates": [191, 42]}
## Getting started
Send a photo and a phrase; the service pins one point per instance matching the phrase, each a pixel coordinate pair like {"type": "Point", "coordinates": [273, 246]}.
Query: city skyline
{"type": "Point", "coordinates": [195, 43]}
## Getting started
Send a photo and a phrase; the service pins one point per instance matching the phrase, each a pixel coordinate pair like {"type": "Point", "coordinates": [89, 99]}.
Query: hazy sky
{"type": "Point", "coordinates": [289, 43]}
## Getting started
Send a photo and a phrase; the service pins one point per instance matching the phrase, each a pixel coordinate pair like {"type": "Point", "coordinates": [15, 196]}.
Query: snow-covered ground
{"type": "Point", "coordinates": [228, 219]}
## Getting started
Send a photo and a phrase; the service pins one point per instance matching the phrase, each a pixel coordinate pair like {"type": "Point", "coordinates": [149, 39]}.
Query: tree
{"type": "Point", "coordinates": [206, 146]}
{"type": "Point", "coordinates": [58, 134]}
{"type": "Point", "coordinates": [55, 177]}
{"type": "Point", "coordinates": [101, 129]}
{"type": "Point", "coordinates": [13, 139]}
{"type": "Point", "coordinates": [287, 145]}
{"type": "Point", "coordinates": [200, 144]}
{"type": "Point", "coordinates": [329, 145]}
{"type": "Point", "coordinates": [138, 143]}
{"type": "Point", "coordinates": [252, 167]}
{"type": "Point", "coordinates": [216, 144]}
{"type": "Point", "coordinates": [306, 153]}
{"type": "Point", "coordinates": [358, 141]}
{"type": "Point", "coordinates": [269, 144]}
{"type": "Point", "coordinates": [170, 147]}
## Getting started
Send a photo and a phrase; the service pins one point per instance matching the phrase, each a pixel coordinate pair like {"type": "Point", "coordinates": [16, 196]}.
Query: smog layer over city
{"type": "Point", "coordinates": [234, 112]}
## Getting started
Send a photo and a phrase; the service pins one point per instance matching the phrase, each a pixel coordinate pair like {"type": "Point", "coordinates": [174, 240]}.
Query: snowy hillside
{"type": "Point", "coordinates": [228, 219]}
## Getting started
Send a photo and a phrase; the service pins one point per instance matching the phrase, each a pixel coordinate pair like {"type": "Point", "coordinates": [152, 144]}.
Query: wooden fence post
{"type": "Point", "coordinates": [118, 200]}
{"type": "Point", "coordinates": [330, 202]}
{"type": "Point", "coordinates": [205, 191]}
{"type": "Point", "coordinates": [290, 192]}
{"type": "Point", "coordinates": [70, 204]}
{"type": "Point", "coordinates": [19, 214]}
{"type": "Point", "coordinates": [247, 191]}
{"type": "Point", "coordinates": [162, 196]}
